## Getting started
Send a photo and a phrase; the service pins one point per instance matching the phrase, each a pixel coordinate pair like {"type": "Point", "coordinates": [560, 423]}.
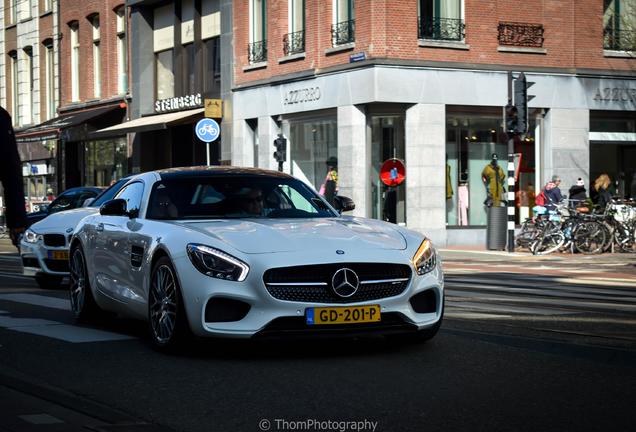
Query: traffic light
{"type": "Point", "coordinates": [520, 100]}
{"type": "Point", "coordinates": [511, 119]}
{"type": "Point", "coordinates": [281, 149]}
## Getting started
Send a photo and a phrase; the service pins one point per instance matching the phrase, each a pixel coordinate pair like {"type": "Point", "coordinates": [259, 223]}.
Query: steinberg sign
{"type": "Point", "coordinates": [179, 103]}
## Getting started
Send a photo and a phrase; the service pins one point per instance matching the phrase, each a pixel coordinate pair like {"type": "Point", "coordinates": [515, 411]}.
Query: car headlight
{"type": "Point", "coordinates": [216, 263]}
{"type": "Point", "coordinates": [31, 236]}
{"type": "Point", "coordinates": [425, 258]}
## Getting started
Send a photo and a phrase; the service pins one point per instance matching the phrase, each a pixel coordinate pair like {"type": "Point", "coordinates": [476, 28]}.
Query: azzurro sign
{"type": "Point", "coordinates": [207, 130]}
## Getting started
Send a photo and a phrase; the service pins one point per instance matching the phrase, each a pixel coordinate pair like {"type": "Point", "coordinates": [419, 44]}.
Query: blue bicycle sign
{"type": "Point", "coordinates": [207, 130]}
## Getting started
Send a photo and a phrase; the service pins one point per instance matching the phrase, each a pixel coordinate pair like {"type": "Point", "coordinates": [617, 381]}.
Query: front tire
{"type": "Point", "coordinates": [167, 321]}
{"type": "Point", "coordinates": [83, 303]}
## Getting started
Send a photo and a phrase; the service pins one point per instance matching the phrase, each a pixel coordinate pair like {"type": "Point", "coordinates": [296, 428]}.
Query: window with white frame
{"type": "Point", "coordinates": [29, 87]}
{"type": "Point", "coordinates": [343, 27]}
{"type": "Point", "coordinates": [74, 28]}
{"type": "Point", "coordinates": [46, 5]}
{"type": "Point", "coordinates": [15, 98]}
{"type": "Point", "coordinates": [441, 20]}
{"type": "Point", "coordinates": [619, 25]}
{"type": "Point", "coordinates": [13, 12]}
{"type": "Point", "coordinates": [257, 48]}
{"type": "Point", "coordinates": [294, 41]}
{"type": "Point", "coordinates": [97, 64]}
{"type": "Point", "coordinates": [50, 78]}
{"type": "Point", "coordinates": [163, 45]}
{"type": "Point", "coordinates": [122, 51]}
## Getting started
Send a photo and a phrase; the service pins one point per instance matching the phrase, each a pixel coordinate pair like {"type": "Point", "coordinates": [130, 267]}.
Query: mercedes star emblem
{"type": "Point", "coordinates": [345, 282]}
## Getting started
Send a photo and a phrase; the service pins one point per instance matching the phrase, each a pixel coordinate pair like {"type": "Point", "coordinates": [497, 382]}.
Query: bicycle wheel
{"type": "Point", "coordinates": [548, 243]}
{"type": "Point", "coordinates": [589, 238]}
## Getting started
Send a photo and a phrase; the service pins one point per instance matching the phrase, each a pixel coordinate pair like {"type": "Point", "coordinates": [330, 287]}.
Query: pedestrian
{"type": "Point", "coordinates": [601, 186]}
{"type": "Point", "coordinates": [577, 193]}
{"type": "Point", "coordinates": [11, 178]}
{"type": "Point", "coordinates": [329, 188]}
{"type": "Point", "coordinates": [554, 195]}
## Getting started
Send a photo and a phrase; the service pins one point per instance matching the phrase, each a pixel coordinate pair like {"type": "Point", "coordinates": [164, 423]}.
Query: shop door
{"type": "Point", "coordinates": [618, 161]}
{"type": "Point", "coordinates": [387, 141]}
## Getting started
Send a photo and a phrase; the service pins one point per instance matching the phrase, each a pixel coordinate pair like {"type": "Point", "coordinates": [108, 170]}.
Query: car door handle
{"type": "Point", "coordinates": [100, 227]}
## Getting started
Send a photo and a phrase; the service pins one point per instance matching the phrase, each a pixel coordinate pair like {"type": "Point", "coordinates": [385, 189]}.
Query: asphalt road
{"type": "Point", "coordinates": [525, 355]}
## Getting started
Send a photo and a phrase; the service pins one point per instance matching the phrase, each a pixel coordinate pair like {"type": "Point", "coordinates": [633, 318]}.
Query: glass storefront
{"type": "Point", "coordinates": [387, 142]}
{"type": "Point", "coordinates": [473, 135]}
{"type": "Point", "coordinates": [105, 161]}
{"type": "Point", "coordinates": [38, 172]}
{"type": "Point", "coordinates": [312, 141]}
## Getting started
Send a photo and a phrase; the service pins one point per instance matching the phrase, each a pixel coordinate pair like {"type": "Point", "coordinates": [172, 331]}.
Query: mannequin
{"type": "Point", "coordinates": [462, 200]}
{"type": "Point", "coordinates": [493, 177]}
{"type": "Point", "coordinates": [449, 185]}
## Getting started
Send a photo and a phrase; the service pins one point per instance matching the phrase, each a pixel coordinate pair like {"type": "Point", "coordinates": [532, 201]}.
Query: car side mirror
{"type": "Point", "coordinates": [343, 203]}
{"type": "Point", "coordinates": [114, 207]}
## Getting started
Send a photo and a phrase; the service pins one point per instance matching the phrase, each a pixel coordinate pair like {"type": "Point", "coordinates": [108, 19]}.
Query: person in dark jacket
{"type": "Point", "coordinates": [11, 177]}
{"type": "Point", "coordinates": [577, 193]}
{"type": "Point", "coordinates": [553, 195]}
{"type": "Point", "coordinates": [601, 186]}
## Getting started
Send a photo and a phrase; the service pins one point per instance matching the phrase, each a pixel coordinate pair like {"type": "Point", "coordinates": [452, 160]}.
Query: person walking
{"type": "Point", "coordinates": [601, 186]}
{"type": "Point", "coordinates": [11, 178]}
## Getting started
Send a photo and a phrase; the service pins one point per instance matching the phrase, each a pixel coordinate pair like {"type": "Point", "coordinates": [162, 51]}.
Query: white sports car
{"type": "Point", "coordinates": [244, 252]}
{"type": "Point", "coordinates": [44, 245]}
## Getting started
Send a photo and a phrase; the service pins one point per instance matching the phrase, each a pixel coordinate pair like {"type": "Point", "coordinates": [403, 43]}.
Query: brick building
{"type": "Point", "coordinates": [425, 81]}
{"type": "Point", "coordinates": [29, 85]}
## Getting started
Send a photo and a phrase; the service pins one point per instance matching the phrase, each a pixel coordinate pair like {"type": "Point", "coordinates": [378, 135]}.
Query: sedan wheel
{"type": "Point", "coordinates": [83, 304]}
{"type": "Point", "coordinates": [166, 315]}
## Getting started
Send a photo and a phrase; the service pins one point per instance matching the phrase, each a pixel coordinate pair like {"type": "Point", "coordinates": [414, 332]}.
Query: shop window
{"type": "Point", "coordinates": [312, 142]}
{"type": "Point", "coordinates": [97, 80]}
{"type": "Point", "coordinates": [441, 20]}
{"type": "Point", "coordinates": [164, 74]}
{"type": "Point", "coordinates": [471, 140]}
{"type": "Point", "coordinates": [343, 27]}
{"type": "Point", "coordinates": [105, 161]}
{"type": "Point", "coordinates": [619, 25]}
{"type": "Point", "coordinates": [294, 41]}
{"type": "Point", "coordinates": [75, 46]}
{"type": "Point", "coordinates": [387, 142]}
{"type": "Point", "coordinates": [257, 48]}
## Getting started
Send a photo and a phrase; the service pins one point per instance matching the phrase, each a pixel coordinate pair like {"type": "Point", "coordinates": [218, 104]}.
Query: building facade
{"type": "Point", "coordinates": [29, 85]}
{"type": "Point", "coordinates": [177, 50]}
{"type": "Point", "coordinates": [425, 82]}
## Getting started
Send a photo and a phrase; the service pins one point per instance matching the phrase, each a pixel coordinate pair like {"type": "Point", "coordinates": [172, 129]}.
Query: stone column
{"type": "Point", "coordinates": [354, 158]}
{"type": "Point", "coordinates": [566, 150]}
{"type": "Point", "coordinates": [242, 144]}
{"type": "Point", "coordinates": [425, 127]}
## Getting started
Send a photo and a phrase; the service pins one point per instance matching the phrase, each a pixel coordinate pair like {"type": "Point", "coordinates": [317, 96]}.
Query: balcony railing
{"type": "Point", "coordinates": [294, 43]}
{"type": "Point", "coordinates": [257, 52]}
{"type": "Point", "coordinates": [520, 34]}
{"type": "Point", "coordinates": [619, 40]}
{"type": "Point", "coordinates": [343, 32]}
{"type": "Point", "coordinates": [449, 29]}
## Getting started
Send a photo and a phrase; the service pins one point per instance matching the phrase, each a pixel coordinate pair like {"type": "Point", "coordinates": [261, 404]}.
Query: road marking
{"type": "Point", "coordinates": [38, 300]}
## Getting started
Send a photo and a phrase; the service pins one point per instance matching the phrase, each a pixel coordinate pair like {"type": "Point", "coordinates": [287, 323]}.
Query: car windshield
{"type": "Point", "coordinates": [109, 193]}
{"type": "Point", "coordinates": [222, 197]}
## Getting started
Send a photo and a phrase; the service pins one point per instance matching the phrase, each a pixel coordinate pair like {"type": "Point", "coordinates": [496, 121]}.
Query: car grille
{"type": "Point", "coordinates": [56, 265]}
{"type": "Point", "coordinates": [313, 283]}
{"type": "Point", "coordinates": [54, 240]}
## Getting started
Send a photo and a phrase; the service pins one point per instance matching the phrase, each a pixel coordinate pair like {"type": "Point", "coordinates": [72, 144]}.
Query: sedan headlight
{"type": "Point", "coordinates": [425, 258]}
{"type": "Point", "coordinates": [31, 236]}
{"type": "Point", "coordinates": [217, 264]}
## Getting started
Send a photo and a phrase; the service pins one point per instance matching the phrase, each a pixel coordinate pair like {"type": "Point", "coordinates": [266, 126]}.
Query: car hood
{"type": "Point", "coordinates": [63, 221]}
{"type": "Point", "coordinates": [256, 236]}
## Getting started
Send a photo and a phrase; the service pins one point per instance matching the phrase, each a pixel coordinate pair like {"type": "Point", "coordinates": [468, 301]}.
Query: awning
{"type": "Point", "coordinates": [150, 123]}
{"type": "Point", "coordinates": [51, 129]}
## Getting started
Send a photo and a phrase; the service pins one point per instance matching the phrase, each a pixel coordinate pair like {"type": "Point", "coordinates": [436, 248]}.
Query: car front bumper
{"type": "Point", "coordinates": [38, 259]}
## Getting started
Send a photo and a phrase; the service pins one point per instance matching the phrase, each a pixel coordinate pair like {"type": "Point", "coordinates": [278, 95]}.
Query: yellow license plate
{"type": "Point", "coordinates": [59, 255]}
{"type": "Point", "coordinates": [343, 314]}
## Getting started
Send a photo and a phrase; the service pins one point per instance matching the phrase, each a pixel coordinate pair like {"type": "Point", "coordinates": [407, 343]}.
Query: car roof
{"type": "Point", "coordinates": [218, 170]}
